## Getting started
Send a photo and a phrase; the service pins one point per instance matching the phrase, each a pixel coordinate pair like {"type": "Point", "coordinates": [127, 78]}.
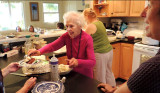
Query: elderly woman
{"type": "Point", "coordinates": [102, 48]}
{"type": "Point", "coordinates": [79, 45]}
{"type": "Point", "coordinates": [146, 79]}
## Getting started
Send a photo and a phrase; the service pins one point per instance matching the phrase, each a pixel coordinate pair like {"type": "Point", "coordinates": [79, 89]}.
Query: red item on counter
{"type": "Point", "coordinates": [130, 38]}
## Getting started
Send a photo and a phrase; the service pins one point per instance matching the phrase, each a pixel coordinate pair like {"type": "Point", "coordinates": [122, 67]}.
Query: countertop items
{"type": "Point", "coordinates": [75, 82]}
{"type": "Point", "coordinates": [112, 40]}
{"type": "Point", "coordinates": [124, 40]}
{"type": "Point", "coordinates": [23, 38]}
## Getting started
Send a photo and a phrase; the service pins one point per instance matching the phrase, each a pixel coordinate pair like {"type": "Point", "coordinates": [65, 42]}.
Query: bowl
{"type": "Point", "coordinates": [48, 87]}
{"type": "Point", "coordinates": [36, 35]}
{"type": "Point", "coordinates": [28, 36]}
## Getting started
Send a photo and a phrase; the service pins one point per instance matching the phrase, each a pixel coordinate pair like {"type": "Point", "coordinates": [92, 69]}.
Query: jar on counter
{"type": "Point", "coordinates": [6, 47]}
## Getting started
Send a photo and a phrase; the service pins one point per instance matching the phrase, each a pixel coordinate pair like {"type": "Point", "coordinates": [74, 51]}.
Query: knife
{"type": "Point", "coordinates": [19, 74]}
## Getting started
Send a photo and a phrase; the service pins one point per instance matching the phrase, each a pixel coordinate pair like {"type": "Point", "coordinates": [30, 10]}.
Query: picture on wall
{"type": "Point", "coordinates": [34, 11]}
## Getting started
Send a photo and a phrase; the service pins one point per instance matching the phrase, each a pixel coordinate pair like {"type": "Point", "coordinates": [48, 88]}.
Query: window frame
{"type": "Point", "coordinates": [50, 12]}
{"type": "Point", "coordinates": [10, 15]}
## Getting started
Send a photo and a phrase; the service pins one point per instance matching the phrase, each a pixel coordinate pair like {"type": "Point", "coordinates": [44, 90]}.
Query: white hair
{"type": "Point", "coordinates": [73, 16]}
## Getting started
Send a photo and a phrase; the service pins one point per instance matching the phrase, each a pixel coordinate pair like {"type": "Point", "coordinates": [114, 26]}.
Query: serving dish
{"type": "Point", "coordinates": [42, 68]}
{"type": "Point", "coordinates": [48, 87]}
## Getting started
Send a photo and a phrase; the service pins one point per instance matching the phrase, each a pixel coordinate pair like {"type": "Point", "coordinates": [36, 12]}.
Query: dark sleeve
{"type": "Point", "coordinates": [1, 82]}
{"type": "Point", "coordinates": [146, 79]}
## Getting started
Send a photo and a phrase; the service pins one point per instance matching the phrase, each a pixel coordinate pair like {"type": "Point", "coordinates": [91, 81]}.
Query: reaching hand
{"type": "Point", "coordinates": [72, 62]}
{"type": "Point", "coordinates": [12, 67]}
{"type": "Point", "coordinates": [106, 88]}
{"type": "Point", "coordinates": [34, 52]}
{"type": "Point", "coordinates": [28, 85]}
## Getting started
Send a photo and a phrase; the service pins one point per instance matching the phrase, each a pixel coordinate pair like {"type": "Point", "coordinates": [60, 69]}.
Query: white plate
{"type": "Point", "coordinates": [48, 87]}
{"type": "Point", "coordinates": [64, 69]}
{"type": "Point", "coordinates": [64, 73]}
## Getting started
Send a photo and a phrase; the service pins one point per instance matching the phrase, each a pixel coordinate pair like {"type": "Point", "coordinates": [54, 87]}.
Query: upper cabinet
{"type": "Point", "coordinates": [101, 9]}
{"type": "Point", "coordinates": [118, 8]}
{"type": "Point", "coordinates": [136, 7]}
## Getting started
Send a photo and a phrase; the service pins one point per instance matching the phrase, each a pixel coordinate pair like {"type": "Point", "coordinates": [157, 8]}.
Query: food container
{"type": "Point", "coordinates": [36, 35]}
{"type": "Point", "coordinates": [130, 38]}
{"type": "Point", "coordinates": [28, 36]}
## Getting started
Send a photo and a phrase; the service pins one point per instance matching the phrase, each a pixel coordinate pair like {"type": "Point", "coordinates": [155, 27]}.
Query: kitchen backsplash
{"type": "Point", "coordinates": [139, 20]}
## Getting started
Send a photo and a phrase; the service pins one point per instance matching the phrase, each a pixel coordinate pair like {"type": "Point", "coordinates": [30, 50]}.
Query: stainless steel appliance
{"type": "Point", "coordinates": [142, 53]}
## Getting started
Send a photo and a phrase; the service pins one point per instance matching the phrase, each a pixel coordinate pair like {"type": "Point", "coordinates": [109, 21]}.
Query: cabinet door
{"type": "Point", "coordinates": [136, 7]}
{"type": "Point", "coordinates": [126, 60]}
{"type": "Point", "coordinates": [116, 57]}
{"type": "Point", "coordinates": [119, 8]}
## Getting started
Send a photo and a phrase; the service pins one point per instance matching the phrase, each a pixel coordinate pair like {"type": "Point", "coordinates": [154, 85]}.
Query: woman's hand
{"type": "Point", "coordinates": [12, 67]}
{"type": "Point", "coordinates": [106, 88]}
{"type": "Point", "coordinates": [28, 85]}
{"type": "Point", "coordinates": [72, 62]}
{"type": "Point", "coordinates": [34, 52]}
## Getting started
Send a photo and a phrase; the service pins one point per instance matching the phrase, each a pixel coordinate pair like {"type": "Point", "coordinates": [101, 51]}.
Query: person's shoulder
{"type": "Point", "coordinates": [86, 36]}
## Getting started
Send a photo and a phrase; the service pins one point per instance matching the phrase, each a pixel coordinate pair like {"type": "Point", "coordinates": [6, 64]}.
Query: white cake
{"type": "Point", "coordinates": [40, 65]}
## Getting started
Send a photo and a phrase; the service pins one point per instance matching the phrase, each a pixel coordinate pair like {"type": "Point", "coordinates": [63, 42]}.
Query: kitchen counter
{"type": "Point", "coordinates": [125, 40]}
{"type": "Point", "coordinates": [45, 35]}
{"type": "Point", "coordinates": [75, 82]}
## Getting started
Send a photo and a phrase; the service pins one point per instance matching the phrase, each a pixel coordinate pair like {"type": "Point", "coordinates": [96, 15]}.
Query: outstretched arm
{"type": "Point", "coordinates": [12, 67]}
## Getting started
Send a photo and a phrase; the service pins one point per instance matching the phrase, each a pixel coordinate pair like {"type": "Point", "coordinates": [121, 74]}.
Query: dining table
{"type": "Point", "coordinates": [74, 83]}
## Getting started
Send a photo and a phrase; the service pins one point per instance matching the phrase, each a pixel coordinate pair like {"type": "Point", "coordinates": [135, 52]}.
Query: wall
{"type": "Point", "coordinates": [40, 23]}
{"type": "Point", "coordinates": [64, 6]}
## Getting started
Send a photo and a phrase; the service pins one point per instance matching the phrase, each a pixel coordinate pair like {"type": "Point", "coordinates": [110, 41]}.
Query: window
{"type": "Point", "coordinates": [51, 12]}
{"type": "Point", "coordinates": [11, 16]}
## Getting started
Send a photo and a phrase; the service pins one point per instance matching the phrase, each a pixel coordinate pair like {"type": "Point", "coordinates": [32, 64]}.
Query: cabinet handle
{"type": "Point", "coordinates": [111, 13]}
{"type": "Point", "coordinates": [114, 48]}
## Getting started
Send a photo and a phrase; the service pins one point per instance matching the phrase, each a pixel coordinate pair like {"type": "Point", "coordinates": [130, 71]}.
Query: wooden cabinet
{"type": "Point", "coordinates": [136, 7]}
{"type": "Point", "coordinates": [116, 61]}
{"type": "Point", "coordinates": [122, 60]}
{"type": "Point", "coordinates": [126, 60]}
{"type": "Point", "coordinates": [119, 8]}
{"type": "Point", "coordinates": [101, 9]}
